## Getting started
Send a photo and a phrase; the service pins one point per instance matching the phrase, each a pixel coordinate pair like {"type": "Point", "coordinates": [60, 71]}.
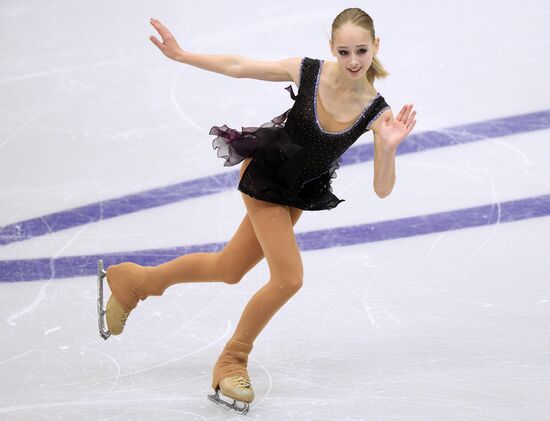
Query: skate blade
{"type": "Point", "coordinates": [101, 274]}
{"type": "Point", "coordinates": [241, 410]}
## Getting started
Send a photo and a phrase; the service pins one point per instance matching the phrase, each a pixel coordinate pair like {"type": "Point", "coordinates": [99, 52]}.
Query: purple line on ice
{"type": "Point", "coordinates": [515, 210]}
{"type": "Point", "coordinates": [94, 212]}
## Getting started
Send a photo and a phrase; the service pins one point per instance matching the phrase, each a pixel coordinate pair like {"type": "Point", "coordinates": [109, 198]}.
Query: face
{"type": "Point", "coordinates": [354, 50]}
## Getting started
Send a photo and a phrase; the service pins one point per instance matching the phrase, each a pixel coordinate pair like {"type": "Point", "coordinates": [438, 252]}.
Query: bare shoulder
{"type": "Point", "coordinates": [292, 66]}
{"type": "Point", "coordinates": [387, 115]}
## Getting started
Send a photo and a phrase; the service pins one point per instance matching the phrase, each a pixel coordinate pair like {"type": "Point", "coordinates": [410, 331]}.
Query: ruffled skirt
{"type": "Point", "coordinates": [275, 173]}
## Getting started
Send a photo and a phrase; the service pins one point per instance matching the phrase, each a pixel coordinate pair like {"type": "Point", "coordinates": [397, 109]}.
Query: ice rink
{"type": "Point", "coordinates": [430, 304]}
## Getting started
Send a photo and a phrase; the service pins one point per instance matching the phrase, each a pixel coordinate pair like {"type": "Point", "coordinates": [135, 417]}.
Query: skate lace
{"type": "Point", "coordinates": [123, 318]}
{"type": "Point", "coordinates": [241, 381]}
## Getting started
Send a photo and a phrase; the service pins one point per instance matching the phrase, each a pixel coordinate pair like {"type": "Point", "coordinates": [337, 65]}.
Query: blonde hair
{"type": "Point", "coordinates": [358, 17]}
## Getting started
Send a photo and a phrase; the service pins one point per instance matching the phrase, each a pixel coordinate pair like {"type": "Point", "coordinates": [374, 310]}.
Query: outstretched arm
{"type": "Point", "coordinates": [230, 65]}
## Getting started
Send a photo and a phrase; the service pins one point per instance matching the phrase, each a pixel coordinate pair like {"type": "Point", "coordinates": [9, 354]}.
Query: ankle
{"type": "Point", "coordinates": [152, 281]}
{"type": "Point", "coordinates": [238, 349]}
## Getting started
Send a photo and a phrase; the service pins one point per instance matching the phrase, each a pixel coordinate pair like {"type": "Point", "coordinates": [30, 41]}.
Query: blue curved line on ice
{"type": "Point", "coordinates": [94, 212]}
{"type": "Point", "coordinates": [515, 210]}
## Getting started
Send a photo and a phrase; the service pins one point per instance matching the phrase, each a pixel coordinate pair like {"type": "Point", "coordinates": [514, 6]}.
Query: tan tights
{"type": "Point", "coordinates": [266, 230]}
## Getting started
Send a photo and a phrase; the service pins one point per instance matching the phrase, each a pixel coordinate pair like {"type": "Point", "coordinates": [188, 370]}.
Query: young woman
{"type": "Point", "coordinates": [287, 167]}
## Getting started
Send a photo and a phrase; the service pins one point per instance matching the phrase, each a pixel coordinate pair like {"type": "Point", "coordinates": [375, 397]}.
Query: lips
{"type": "Point", "coordinates": [354, 71]}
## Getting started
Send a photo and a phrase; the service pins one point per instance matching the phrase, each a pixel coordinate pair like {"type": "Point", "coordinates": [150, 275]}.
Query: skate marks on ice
{"type": "Point", "coordinates": [439, 369]}
{"type": "Point", "coordinates": [119, 391]}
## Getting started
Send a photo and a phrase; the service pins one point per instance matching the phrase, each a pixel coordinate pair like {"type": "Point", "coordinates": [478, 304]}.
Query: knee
{"type": "Point", "coordinates": [228, 273]}
{"type": "Point", "coordinates": [232, 279]}
{"type": "Point", "coordinates": [291, 284]}
{"type": "Point", "coordinates": [232, 276]}
{"type": "Point", "coordinates": [294, 286]}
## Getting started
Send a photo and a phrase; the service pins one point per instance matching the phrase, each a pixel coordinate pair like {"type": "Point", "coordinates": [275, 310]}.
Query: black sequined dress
{"type": "Point", "coordinates": [294, 158]}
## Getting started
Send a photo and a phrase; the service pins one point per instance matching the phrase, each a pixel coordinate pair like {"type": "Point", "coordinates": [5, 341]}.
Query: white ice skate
{"type": "Point", "coordinates": [101, 274]}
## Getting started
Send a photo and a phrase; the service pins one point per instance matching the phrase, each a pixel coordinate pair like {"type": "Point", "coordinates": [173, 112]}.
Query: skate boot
{"type": "Point", "coordinates": [129, 283]}
{"type": "Point", "coordinates": [116, 316]}
{"type": "Point", "coordinates": [230, 377]}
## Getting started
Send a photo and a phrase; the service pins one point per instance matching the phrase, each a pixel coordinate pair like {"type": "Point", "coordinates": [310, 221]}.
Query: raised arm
{"type": "Point", "coordinates": [389, 132]}
{"type": "Point", "coordinates": [230, 65]}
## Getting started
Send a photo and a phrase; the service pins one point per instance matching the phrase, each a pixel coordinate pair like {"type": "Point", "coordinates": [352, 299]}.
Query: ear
{"type": "Point", "coordinates": [331, 46]}
{"type": "Point", "coordinates": [376, 45]}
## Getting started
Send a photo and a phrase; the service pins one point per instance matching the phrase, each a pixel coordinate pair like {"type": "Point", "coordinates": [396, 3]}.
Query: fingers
{"type": "Point", "coordinates": [156, 42]}
{"type": "Point", "coordinates": [154, 39]}
{"type": "Point", "coordinates": [169, 46]}
{"type": "Point", "coordinates": [161, 29]}
{"type": "Point", "coordinates": [406, 117]}
{"type": "Point", "coordinates": [411, 119]}
{"type": "Point", "coordinates": [164, 33]}
{"type": "Point", "coordinates": [404, 112]}
{"type": "Point", "coordinates": [158, 25]}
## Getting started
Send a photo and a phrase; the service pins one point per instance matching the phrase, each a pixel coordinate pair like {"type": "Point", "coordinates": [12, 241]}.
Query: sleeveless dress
{"type": "Point", "coordinates": [294, 157]}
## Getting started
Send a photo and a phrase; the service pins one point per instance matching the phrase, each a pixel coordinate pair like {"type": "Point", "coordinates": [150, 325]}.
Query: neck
{"type": "Point", "coordinates": [347, 85]}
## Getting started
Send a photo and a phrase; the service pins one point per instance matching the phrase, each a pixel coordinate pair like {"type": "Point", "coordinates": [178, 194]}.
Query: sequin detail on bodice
{"type": "Point", "coordinates": [294, 157]}
{"type": "Point", "coordinates": [323, 148]}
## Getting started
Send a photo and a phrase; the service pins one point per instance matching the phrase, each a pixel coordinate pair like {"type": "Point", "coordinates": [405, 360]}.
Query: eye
{"type": "Point", "coordinates": [361, 51]}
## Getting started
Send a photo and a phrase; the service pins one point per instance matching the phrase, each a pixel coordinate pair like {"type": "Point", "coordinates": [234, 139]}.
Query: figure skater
{"type": "Point", "coordinates": [287, 167]}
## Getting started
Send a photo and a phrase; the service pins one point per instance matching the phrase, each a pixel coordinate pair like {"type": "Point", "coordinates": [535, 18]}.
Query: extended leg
{"type": "Point", "coordinates": [229, 265]}
{"type": "Point", "coordinates": [130, 282]}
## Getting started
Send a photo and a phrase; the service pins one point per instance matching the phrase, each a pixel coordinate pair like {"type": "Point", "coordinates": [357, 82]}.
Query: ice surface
{"type": "Point", "coordinates": [431, 304]}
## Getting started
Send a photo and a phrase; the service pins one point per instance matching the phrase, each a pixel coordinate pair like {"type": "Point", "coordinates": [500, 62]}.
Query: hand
{"type": "Point", "coordinates": [393, 132]}
{"type": "Point", "coordinates": [169, 46]}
